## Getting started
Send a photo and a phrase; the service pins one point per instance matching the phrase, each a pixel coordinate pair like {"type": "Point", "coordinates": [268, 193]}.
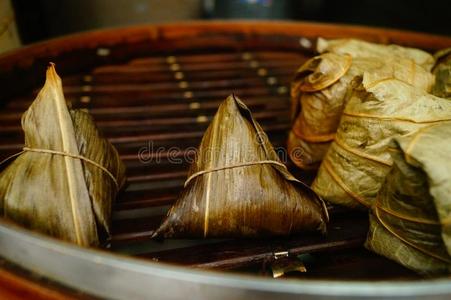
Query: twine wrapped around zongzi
{"type": "Point", "coordinates": [320, 91]}
{"type": "Point", "coordinates": [378, 110]}
{"type": "Point", "coordinates": [411, 218]}
{"type": "Point", "coordinates": [65, 179]}
{"type": "Point", "coordinates": [238, 187]}
{"type": "Point", "coordinates": [442, 72]}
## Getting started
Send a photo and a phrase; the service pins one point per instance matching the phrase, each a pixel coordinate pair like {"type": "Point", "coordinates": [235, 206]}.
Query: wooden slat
{"type": "Point", "coordinates": [162, 108]}
{"type": "Point", "coordinates": [343, 233]}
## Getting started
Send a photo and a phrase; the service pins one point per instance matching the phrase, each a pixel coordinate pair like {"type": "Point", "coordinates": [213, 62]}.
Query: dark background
{"type": "Point", "coordinates": [43, 19]}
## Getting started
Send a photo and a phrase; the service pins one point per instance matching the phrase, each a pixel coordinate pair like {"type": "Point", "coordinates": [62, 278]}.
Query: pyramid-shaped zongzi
{"type": "Point", "coordinates": [64, 180]}
{"type": "Point", "coordinates": [238, 187]}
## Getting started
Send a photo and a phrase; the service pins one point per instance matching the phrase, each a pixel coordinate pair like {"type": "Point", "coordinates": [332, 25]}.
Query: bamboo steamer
{"type": "Point", "coordinates": [176, 75]}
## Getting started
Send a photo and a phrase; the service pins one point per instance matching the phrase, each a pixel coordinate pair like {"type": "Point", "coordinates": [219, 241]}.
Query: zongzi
{"type": "Point", "coordinates": [358, 48]}
{"type": "Point", "coordinates": [378, 110]}
{"type": "Point", "coordinates": [65, 179]}
{"type": "Point", "coordinates": [238, 187]}
{"type": "Point", "coordinates": [410, 220]}
{"type": "Point", "coordinates": [442, 72]}
{"type": "Point", "coordinates": [320, 91]}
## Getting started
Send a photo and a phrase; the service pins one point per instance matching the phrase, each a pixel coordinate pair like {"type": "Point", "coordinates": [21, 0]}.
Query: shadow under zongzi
{"type": "Point", "coordinates": [238, 187]}
{"type": "Point", "coordinates": [64, 181]}
{"type": "Point", "coordinates": [411, 218]}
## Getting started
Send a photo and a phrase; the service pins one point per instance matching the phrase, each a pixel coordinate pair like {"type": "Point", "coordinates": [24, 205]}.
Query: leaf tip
{"type": "Point", "coordinates": [230, 102]}
{"type": "Point", "coordinates": [51, 75]}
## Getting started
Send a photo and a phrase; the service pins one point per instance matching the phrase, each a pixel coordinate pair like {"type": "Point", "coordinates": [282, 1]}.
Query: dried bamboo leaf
{"type": "Point", "coordinates": [320, 91]}
{"type": "Point", "coordinates": [442, 72]}
{"type": "Point", "coordinates": [102, 190]}
{"type": "Point", "coordinates": [60, 195]}
{"type": "Point", "coordinates": [359, 48]}
{"type": "Point", "coordinates": [410, 222]}
{"type": "Point", "coordinates": [321, 71]}
{"type": "Point", "coordinates": [250, 199]}
{"type": "Point", "coordinates": [358, 160]}
{"type": "Point", "coordinates": [306, 155]}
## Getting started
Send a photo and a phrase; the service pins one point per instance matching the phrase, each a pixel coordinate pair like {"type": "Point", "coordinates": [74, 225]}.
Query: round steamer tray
{"type": "Point", "coordinates": [152, 91]}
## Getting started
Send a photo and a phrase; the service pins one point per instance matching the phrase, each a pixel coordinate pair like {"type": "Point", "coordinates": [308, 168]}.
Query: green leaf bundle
{"type": "Point", "coordinates": [64, 181]}
{"type": "Point", "coordinates": [321, 90]}
{"type": "Point", "coordinates": [238, 187]}
{"type": "Point", "coordinates": [410, 221]}
{"type": "Point", "coordinates": [358, 159]}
